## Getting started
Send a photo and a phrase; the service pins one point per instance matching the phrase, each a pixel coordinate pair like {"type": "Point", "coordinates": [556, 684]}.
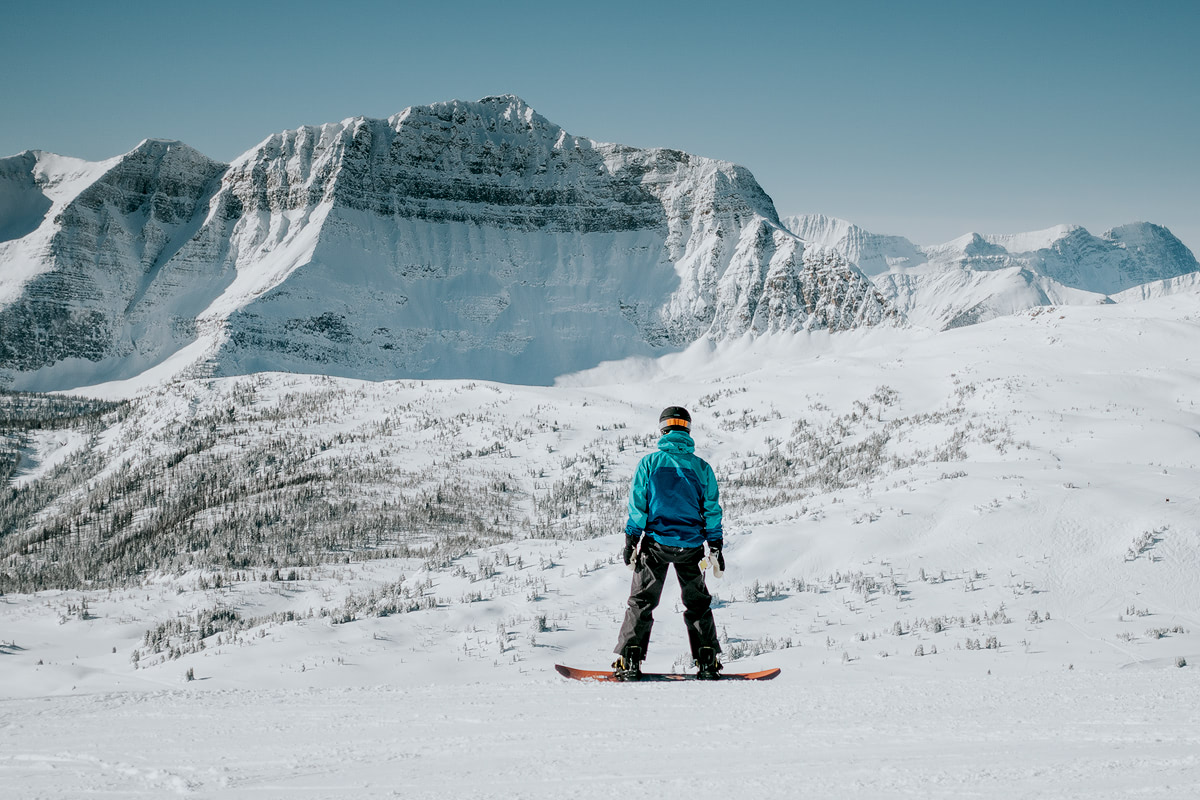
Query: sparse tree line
{"type": "Point", "coordinates": [845, 451]}
{"type": "Point", "coordinates": [268, 473]}
{"type": "Point", "coordinates": [1145, 543]}
{"type": "Point", "coordinates": [27, 411]}
{"type": "Point", "coordinates": [245, 479]}
{"type": "Point", "coordinates": [194, 632]}
{"type": "Point", "coordinates": [24, 412]}
{"type": "Point", "coordinates": [234, 488]}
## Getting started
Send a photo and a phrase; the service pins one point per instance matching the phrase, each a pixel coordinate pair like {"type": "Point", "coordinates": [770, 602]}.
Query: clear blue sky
{"type": "Point", "coordinates": [926, 119]}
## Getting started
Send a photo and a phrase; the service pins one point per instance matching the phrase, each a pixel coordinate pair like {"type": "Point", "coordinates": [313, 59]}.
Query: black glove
{"type": "Point", "coordinates": [714, 552]}
{"type": "Point", "coordinates": [631, 543]}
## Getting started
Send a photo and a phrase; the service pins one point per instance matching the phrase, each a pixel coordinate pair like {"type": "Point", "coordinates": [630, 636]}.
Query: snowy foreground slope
{"type": "Point", "coordinates": [975, 555]}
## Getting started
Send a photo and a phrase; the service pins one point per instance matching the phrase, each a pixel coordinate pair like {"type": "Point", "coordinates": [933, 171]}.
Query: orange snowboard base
{"type": "Point", "coordinates": [607, 675]}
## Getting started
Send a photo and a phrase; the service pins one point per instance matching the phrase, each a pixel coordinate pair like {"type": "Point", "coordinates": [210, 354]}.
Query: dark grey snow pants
{"type": "Point", "coordinates": [649, 576]}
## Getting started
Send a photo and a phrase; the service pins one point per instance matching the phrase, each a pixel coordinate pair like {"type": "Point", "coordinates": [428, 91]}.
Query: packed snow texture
{"type": "Point", "coordinates": [973, 553]}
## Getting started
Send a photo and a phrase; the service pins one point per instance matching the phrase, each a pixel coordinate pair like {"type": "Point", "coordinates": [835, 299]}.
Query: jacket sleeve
{"type": "Point", "coordinates": [639, 500]}
{"type": "Point", "coordinates": [712, 506]}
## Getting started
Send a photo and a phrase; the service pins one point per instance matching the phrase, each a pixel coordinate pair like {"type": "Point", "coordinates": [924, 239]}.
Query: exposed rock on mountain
{"type": "Point", "coordinates": [74, 291]}
{"type": "Point", "coordinates": [977, 277]}
{"type": "Point", "coordinates": [453, 240]}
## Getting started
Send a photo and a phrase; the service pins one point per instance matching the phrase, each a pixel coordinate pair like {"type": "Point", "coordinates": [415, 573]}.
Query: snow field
{"type": "Point", "coordinates": [979, 582]}
{"type": "Point", "coordinates": [1063, 734]}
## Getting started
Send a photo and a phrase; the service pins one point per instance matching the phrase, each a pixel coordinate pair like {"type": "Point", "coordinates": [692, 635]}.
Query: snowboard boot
{"type": "Point", "coordinates": [710, 667]}
{"type": "Point", "coordinates": [628, 666]}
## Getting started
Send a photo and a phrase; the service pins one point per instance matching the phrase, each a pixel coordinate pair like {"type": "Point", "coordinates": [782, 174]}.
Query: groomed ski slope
{"type": "Point", "coordinates": [816, 733]}
{"type": "Point", "coordinates": [1004, 606]}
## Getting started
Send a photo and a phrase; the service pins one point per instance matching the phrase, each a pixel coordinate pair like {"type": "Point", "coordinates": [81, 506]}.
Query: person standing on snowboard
{"type": "Point", "coordinates": [674, 510]}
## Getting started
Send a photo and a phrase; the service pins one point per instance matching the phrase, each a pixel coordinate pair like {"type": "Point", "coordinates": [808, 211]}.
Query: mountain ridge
{"type": "Point", "coordinates": [459, 239]}
{"type": "Point", "coordinates": [473, 239]}
{"type": "Point", "coordinates": [977, 276]}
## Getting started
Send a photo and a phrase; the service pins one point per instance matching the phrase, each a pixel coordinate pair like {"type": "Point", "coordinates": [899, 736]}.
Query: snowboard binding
{"type": "Point", "coordinates": [710, 667]}
{"type": "Point", "coordinates": [628, 666]}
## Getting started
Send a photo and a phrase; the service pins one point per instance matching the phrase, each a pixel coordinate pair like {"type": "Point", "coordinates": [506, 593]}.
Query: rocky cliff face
{"type": "Point", "coordinates": [98, 256]}
{"type": "Point", "coordinates": [453, 240]}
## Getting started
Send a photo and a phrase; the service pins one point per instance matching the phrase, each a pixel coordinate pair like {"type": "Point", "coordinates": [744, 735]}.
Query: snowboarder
{"type": "Point", "coordinates": [674, 511]}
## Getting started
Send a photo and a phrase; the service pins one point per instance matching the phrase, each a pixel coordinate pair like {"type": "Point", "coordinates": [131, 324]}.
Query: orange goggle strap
{"type": "Point", "coordinates": [666, 423]}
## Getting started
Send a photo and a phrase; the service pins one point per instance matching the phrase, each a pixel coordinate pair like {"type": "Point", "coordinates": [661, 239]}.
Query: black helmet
{"type": "Point", "coordinates": [675, 418]}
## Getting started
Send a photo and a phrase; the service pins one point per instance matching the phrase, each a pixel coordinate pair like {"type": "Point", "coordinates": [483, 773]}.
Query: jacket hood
{"type": "Point", "coordinates": [677, 442]}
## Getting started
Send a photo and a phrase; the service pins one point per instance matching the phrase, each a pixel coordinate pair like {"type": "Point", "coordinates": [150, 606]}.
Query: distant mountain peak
{"type": "Point", "coordinates": [872, 253]}
{"type": "Point", "coordinates": [510, 101]}
{"type": "Point", "coordinates": [153, 143]}
{"type": "Point", "coordinates": [509, 109]}
{"type": "Point", "coordinates": [980, 276]}
{"type": "Point", "coordinates": [1141, 233]}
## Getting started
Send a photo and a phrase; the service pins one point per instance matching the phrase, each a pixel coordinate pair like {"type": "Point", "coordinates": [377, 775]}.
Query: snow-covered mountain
{"type": "Point", "coordinates": [453, 240]}
{"type": "Point", "coordinates": [471, 240]}
{"type": "Point", "coordinates": [873, 253]}
{"type": "Point", "coordinates": [977, 277]}
{"type": "Point", "coordinates": [93, 278]}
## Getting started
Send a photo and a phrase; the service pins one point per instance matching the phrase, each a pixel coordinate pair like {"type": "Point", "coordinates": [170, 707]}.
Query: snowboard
{"type": "Point", "coordinates": [607, 675]}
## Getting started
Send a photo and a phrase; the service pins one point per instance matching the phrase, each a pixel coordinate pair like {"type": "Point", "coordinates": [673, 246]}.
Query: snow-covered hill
{"type": "Point", "coordinates": [459, 239]}
{"type": "Point", "coordinates": [995, 518]}
{"type": "Point", "coordinates": [981, 541]}
{"type": "Point", "coordinates": [977, 277]}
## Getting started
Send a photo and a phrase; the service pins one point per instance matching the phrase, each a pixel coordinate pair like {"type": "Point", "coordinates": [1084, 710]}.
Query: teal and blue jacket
{"type": "Point", "coordinates": [674, 495]}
